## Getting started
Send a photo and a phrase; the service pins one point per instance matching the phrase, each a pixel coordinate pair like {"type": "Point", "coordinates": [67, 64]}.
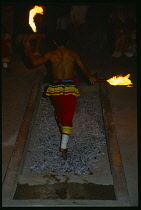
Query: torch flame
{"type": "Point", "coordinates": [32, 13]}
{"type": "Point", "coordinates": [120, 80]}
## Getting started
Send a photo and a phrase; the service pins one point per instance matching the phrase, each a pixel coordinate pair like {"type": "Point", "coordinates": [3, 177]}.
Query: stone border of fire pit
{"type": "Point", "coordinates": [115, 159]}
{"type": "Point", "coordinates": [11, 178]}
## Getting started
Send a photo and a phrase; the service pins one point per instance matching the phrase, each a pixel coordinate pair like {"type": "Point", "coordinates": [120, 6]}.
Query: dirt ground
{"type": "Point", "coordinates": [64, 190]}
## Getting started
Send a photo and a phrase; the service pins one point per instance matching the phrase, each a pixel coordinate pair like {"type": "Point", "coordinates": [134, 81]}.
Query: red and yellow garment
{"type": "Point", "coordinates": [63, 87]}
{"type": "Point", "coordinates": [65, 93]}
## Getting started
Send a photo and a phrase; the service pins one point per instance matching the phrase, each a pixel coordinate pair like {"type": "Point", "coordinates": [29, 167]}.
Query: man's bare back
{"type": "Point", "coordinates": [62, 59]}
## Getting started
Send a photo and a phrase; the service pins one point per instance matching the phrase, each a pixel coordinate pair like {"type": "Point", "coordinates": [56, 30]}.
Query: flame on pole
{"type": "Point", "coordinates": [120, 80]}
{"type": "Point", "coordinates": [32, 13]}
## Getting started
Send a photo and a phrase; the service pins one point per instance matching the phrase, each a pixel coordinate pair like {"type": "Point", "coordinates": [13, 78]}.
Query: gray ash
{"type": "Point", "coordinates": [84, 144]}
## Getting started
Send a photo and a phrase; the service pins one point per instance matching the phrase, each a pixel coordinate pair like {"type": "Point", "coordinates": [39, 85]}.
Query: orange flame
{"type": "Point", "coordinates": [120, 80]}
{"type": "Point", "coordinates": [32, 13]}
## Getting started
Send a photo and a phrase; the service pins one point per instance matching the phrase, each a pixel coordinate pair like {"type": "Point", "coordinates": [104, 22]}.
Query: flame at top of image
{"type": "Point", "coordinates": [32, 13]}
{"type": "Point", "coordinates": [120, 80]}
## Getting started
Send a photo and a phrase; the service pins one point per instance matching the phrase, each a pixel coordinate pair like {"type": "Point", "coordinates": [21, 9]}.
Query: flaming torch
{"type": "Point", "coordinates": [120, 80]}
{"type": "Point", "coordinates": [32, 13]}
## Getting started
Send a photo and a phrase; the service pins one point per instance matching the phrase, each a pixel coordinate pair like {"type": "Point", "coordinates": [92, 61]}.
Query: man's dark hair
{"type": "Point", "coordinates": [61, 38]}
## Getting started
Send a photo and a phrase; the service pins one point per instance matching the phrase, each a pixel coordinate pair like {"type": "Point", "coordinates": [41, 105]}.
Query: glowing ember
{"type": "Point", "coordinates": [32, 13]}
{"type": "Point", "coordinates": [120, 80]}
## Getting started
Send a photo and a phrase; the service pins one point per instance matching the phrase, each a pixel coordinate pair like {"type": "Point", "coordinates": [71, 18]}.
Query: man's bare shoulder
{"type": "Point", "coordinates": [44, 58]}
{"type": "Point", "coordinates": [53, 55]}
{"type": "Point", "coordinates": [49, 54]}
{"type": "Point", "coordinates": [72, 53]}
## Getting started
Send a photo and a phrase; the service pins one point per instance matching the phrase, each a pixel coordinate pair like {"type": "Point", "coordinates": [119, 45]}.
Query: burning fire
{"type": "Point", "coordinates": [120, 80]}
{"type": "Point", "coordinates": [32, 13]}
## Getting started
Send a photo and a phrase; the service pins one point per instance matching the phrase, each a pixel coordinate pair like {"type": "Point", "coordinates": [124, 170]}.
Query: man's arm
{"type": "Point", "coordinates": [35, 60]}
{"type": "Point", "coordinates": [33, 36]}
{"type": "Point", "coordinates": [84, 69]}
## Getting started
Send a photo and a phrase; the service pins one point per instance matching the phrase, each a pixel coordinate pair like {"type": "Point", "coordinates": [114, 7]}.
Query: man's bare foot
{"type": "Point", "coordinates": [63, 150]}
{"type": "Point", "coordinates": [64, 153]}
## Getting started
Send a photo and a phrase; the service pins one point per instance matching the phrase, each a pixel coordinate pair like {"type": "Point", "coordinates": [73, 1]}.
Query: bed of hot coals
{"type": "Point", "coordinates": [84, 145]}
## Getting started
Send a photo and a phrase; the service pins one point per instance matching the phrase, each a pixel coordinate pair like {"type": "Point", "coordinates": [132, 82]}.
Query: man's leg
{"type": "Point", "coordinates": [69, 104]}
{"type": "Point", "coordinates": [65, 107]}
{"type": "Point", "coordinates": [58, 102]}
{"type": "Point", "coordinates": [64, 142]}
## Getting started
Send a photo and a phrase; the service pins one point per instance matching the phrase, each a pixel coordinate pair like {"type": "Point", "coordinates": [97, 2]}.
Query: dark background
{"type": "Point", "coordinates": [52, 9]}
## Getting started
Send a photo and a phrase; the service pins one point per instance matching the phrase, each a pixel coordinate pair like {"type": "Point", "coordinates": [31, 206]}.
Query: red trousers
{"type": "Point", "coordinates": [64, 108]}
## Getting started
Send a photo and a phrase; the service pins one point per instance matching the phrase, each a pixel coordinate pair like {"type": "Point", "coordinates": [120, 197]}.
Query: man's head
{"type": "Point", "coordinates": [61, 38]}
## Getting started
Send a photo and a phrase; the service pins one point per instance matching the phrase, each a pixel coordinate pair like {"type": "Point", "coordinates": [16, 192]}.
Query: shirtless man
{"type": "Point", "coordinates": [63, 87]}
